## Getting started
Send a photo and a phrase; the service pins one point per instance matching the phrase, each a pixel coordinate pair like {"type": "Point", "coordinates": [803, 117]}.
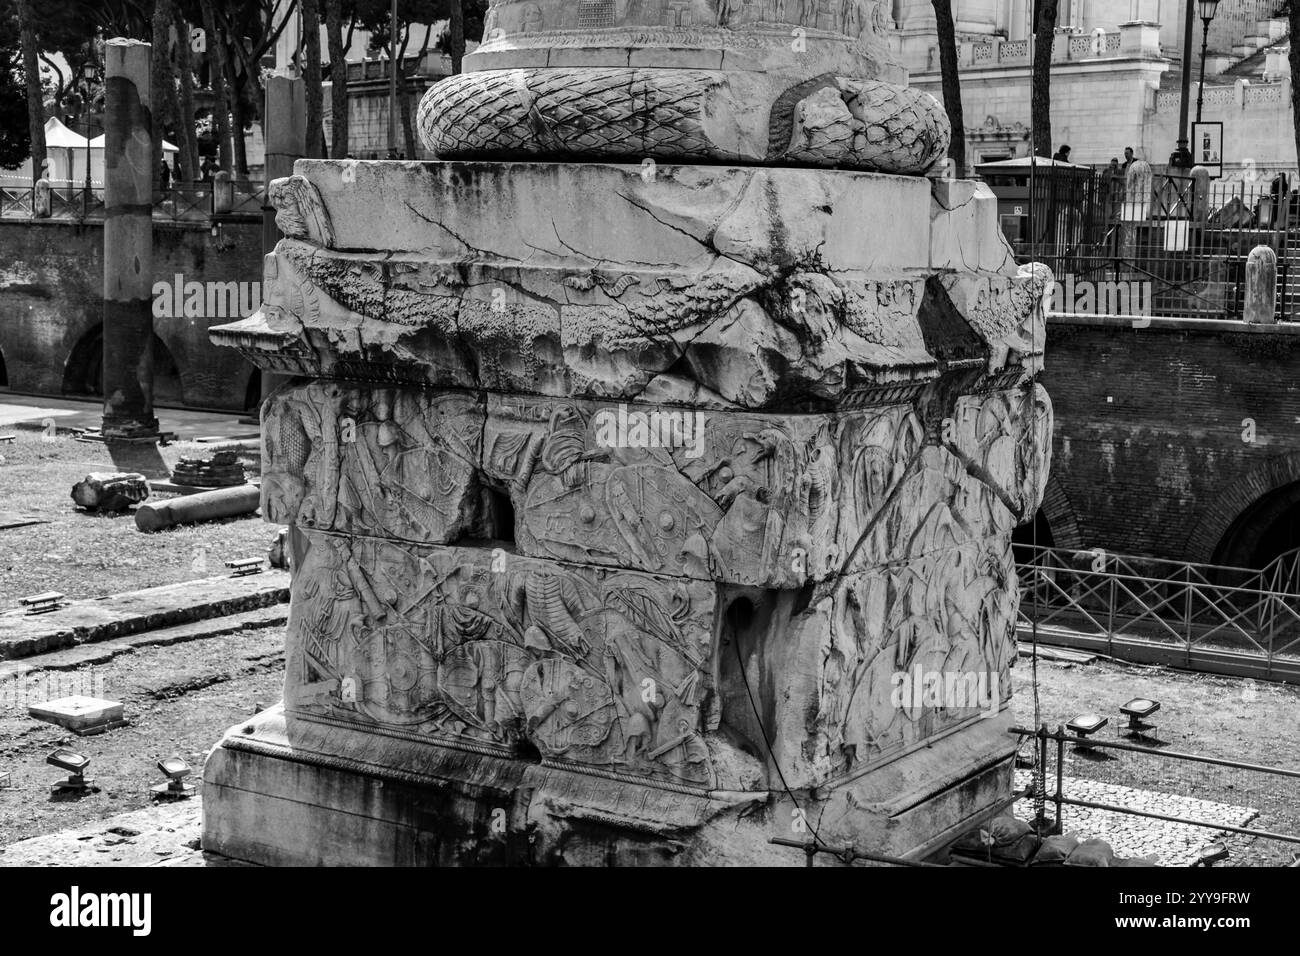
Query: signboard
{"type": "Point", "coordinates": [1207, 147]}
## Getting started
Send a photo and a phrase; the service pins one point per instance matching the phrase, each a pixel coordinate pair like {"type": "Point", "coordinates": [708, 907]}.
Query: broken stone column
{"type": "Point", "coordinates": [110, 491]}
{"type": "Point", "coordinates": [626, 495]}
{"type": "Point", "coordinates": [1260, 296]}
{"type": "Point", "coordinates": [128, 243]}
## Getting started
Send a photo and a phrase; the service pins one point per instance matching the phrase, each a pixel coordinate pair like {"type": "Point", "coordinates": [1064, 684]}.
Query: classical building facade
{"type": "Point", "coordinates": [1117, 65]}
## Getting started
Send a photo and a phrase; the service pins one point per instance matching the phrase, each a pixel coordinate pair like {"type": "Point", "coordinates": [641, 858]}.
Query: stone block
{"type": "Point", "coordinates": [82, 715]}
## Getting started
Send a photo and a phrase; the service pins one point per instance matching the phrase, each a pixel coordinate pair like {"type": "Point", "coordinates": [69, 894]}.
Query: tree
{"type": "Point", "coordinates": [15, 133]}
{"type": "Point", "coordinates": [312, 76]}
{"type": "Point", "coordinates": [338, 78]}
{"type": "Point", "coordinates": [456, 34]}
{"type": "Point", "coordinates": [160, 80]}
{"type": "Point", "coordinates": [1292, 10]}
{"type": "Point", "coordinates": [32, 77]}
{"type": "Point", "coordinates": [1041, 94]}
{"type": "Point", "coordinates": [189, 145]}
{"type": "Point", "coordinates": [218, 73]}
{"type": "Point", "coordinates": [951, 85]}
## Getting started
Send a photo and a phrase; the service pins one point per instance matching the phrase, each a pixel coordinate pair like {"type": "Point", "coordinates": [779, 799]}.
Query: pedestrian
{"type": "Point", "coordinates": [164, 175]}
{"type": "Point", "coordinates": [1128, 157]}
{"type": "Point", "coordinates": [1062, 154]}
{"type": "Point", "coordinates": [206, 169]}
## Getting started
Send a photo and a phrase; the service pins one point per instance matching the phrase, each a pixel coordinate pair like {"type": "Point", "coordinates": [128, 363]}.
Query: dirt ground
{"type": "Point", "coordinates": [90, 555]}
{"type": "Point", "coordinates": [179, 700]}
{"type": "Point", "coordinates": [1242, 720]}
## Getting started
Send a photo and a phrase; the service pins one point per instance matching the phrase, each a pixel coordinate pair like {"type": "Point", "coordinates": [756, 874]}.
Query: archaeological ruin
{"type": "Point", "coordinates": [635, 452]}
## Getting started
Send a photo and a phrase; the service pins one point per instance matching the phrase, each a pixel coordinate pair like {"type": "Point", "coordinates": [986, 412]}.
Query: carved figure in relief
{"type": "Point", "coordinates": [603, 674]}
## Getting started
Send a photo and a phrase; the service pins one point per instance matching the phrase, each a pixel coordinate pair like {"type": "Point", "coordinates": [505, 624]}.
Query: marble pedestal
{"type": "Point", "coordinates": [640, 514]}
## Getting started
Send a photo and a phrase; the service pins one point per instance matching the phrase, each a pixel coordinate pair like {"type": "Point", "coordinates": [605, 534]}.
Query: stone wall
{"type": "Point", "coordinates": [1150, 455]}
{"type": "Point", "coordinates": [51, 288]}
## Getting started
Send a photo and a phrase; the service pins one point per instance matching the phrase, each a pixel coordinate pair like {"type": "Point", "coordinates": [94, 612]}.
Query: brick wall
{"type": "Point", "coordinates": [1149, 456]}
{"type": "Point", "coordinates": [51, 288]}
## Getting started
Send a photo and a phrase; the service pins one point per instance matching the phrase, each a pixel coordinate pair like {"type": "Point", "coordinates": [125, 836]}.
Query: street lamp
{"type": "Point", "coordinates": [1206, 9]}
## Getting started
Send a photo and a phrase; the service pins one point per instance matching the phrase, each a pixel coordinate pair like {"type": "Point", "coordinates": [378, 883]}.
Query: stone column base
{"type": "Point", "coordinates": [276, 794]}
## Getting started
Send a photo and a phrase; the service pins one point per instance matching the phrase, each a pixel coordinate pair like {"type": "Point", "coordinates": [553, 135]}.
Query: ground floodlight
{"type": "Point", "coordinates": [1085, 725]}
{"type": "Point", "coordinates": [175, 770]}
{"type": "Point", "coordinates": [1212, 854]}
{"type": "Point", "coordinates": [75, 764]}
{"type": "Point", "coordinates": [1137, 710]}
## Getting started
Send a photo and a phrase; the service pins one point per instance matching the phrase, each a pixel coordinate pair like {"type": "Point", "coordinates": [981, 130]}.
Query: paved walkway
{"type": "Point", "coordinates": [1172, 844]}
{"type": "Point", "coordinates": [166, 834]}
{"type": "Point", "coordinates": [30, 411]}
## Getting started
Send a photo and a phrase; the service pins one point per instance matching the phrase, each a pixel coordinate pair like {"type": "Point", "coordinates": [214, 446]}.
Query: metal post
{"type": "Point", "coordinates": [1205, 43]}
{"type": "Point", "coordinates": [128, 243]}
{"type": "Point", "coordinates": [1182, 156]}
{"type": "Point", "coordinates": [1060, 774]}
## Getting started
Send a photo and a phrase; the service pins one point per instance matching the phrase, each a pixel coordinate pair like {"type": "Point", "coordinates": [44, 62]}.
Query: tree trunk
{"type": "Point", "coordinates": [338, 78]}
{"type": "Point", "coordinates": [161, 80]}
{"type": "Point", "coordinates": [457, 35]}
{"type": "Point", "coordinates": [1293, 57]}
{"type": "Point", "coordinates": [190, 142]}
{"type": "Point", "coordinates": [311, 75]}
{"type": "Point", "coordinates": [238, 121]}
{"type": "Point", "coordinates": [217, 75]}
{"type": "Point", "coordinates": [951, 84]}
{"type": "Point", "coordinates": [1041, 96]}
{"type": "Point", "coordinates": [32, 72]}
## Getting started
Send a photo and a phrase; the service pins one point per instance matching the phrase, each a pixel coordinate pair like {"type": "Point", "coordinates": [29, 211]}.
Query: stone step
{"type": "Point", "coordinates": [136, 612]}
{"type": "Point", "coordinates": [100, 652]}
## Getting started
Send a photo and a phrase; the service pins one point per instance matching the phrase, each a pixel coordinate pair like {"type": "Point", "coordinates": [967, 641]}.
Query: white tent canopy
{"type": "Point", "coordinates": [67, 152]}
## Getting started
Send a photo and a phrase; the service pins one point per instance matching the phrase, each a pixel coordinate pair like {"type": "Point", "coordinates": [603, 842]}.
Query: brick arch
{"type": "Point", "coordinates": [1235, 499]}
{"type": "Point", "coordinates": [1058, 511]}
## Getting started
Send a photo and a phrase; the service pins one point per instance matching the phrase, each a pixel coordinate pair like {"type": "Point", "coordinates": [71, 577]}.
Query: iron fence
{"type": "Point", "coordinates": [1161, 249]}
{"type": "Point", "coordinates": [1225, 620]}
{"type": "Point", "coordinates": [16, 201]}
{"type": "Point", "coordinates": [180, 202]}
{"type": "Point", "coordinates": [1256, 807]}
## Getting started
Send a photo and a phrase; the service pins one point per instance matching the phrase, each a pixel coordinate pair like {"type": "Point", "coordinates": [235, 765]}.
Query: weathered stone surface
{"type": "Point", "coordinates": [690, 81]}
{"type": "Point", "coordinates": [115, 491]}
{"type": "Point", "coordinates": [131, 612]}
{"type": "Point", "coordinates": [204, 506]}
{"type": "Point", "coordinates": [756, 283]}
{"type": "Point", "coordinates": [623, 496]}
{"type": "Point", "coordinates": [81, 715]}
{"type": "Point", "coordinates": [221, 470]}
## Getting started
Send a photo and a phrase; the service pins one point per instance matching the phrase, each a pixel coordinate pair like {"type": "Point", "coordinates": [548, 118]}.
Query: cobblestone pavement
{"type": "Point", "coordinates": [1172, 844]}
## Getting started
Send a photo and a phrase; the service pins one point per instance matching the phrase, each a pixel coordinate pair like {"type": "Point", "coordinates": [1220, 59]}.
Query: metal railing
{"type": "Point", "coordinates": [180, 202]}
{"type": "Point", "coordinates": [1225, 620]}
{"type": "Point", "coordinates": [1265, 800]}
{"type": "Point", "coordinates": [1160, 249]}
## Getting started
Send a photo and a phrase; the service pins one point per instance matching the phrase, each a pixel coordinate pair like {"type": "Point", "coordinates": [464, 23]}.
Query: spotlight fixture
{"type": "Point", "coordinates": [75, 764]}
{"type": "Point", "coordinates": [175, 770]}
{"type": "Point", "coordinates": [40, 603]}
{"type": "Point", "coordinates": [1212, 854]}
{"type": "Point", "coordinates": [1084, 726]}
{"type": "Point", "coordinates": [243, 566]}
{"type": "Point", "coordinates": [1137, 710]}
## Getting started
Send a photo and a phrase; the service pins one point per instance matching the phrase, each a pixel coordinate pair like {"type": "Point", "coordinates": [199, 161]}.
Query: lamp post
{"type": "Point", "coordinates": [88, 74]}
{"type": "Point", "coordinates": [1207, 9]}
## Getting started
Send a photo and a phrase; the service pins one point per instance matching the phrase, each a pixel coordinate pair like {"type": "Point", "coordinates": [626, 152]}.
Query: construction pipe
{"type": "Point", "coordinates": [205, 506]}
